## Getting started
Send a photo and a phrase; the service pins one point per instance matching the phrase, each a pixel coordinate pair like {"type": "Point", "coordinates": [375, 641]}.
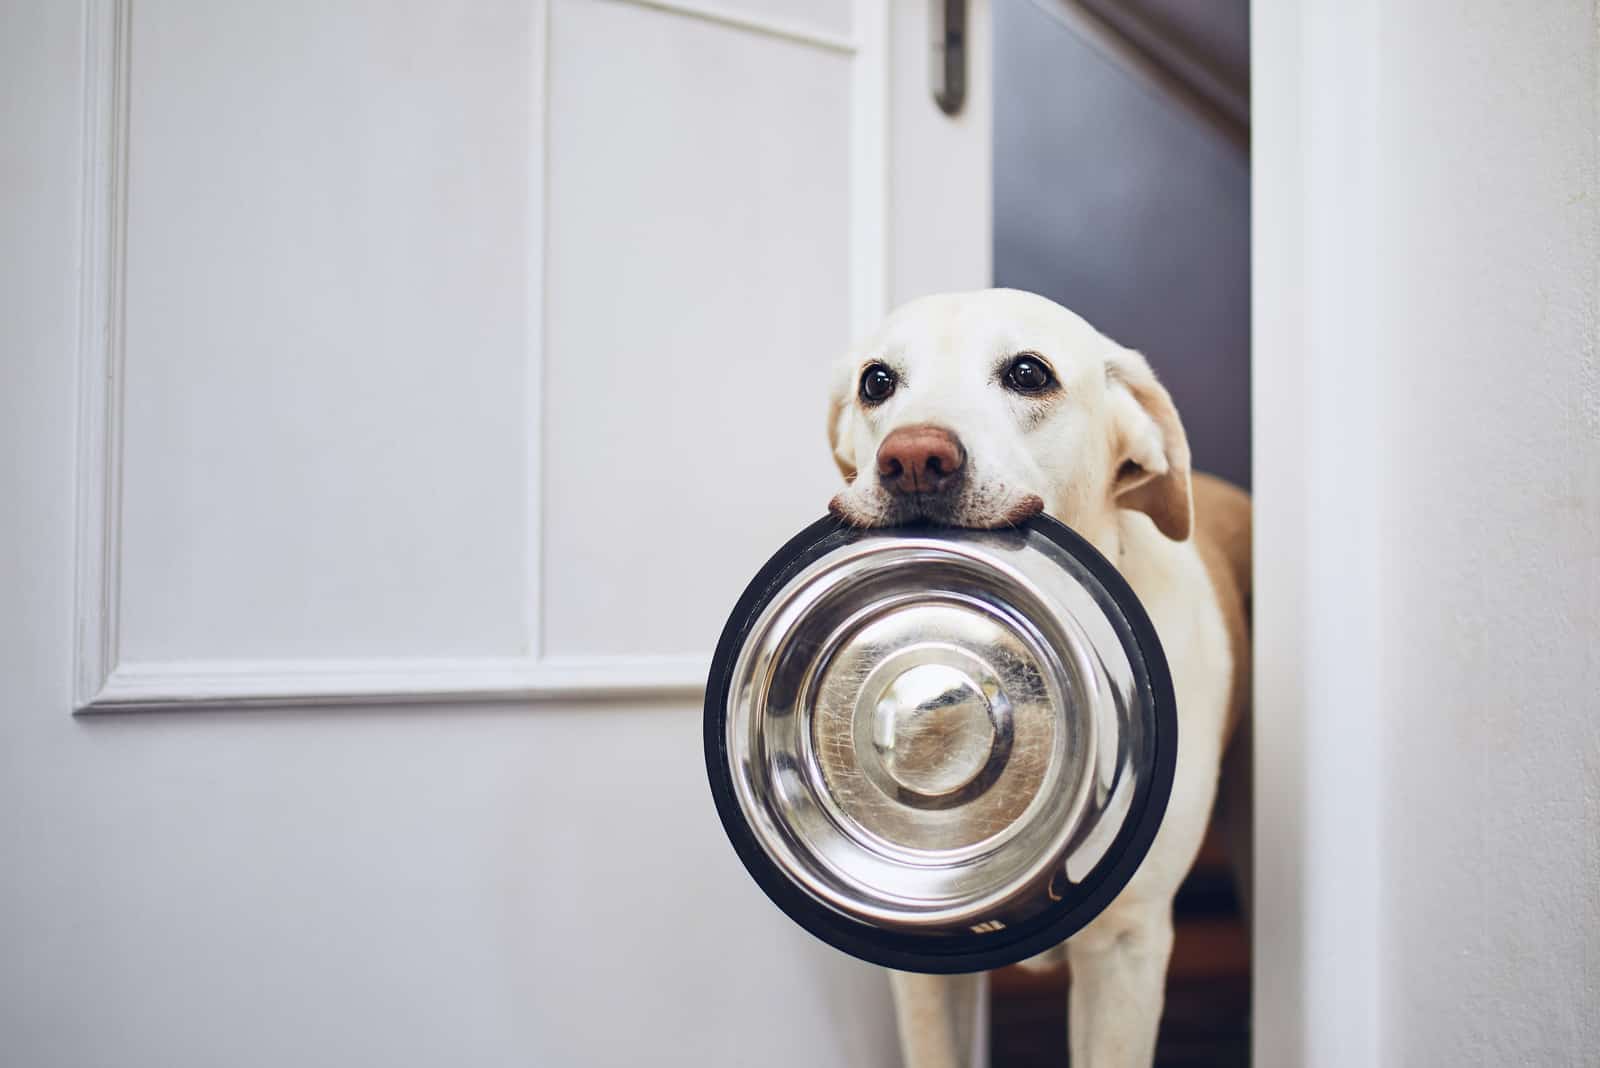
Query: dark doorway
{"type": "Point", "coordinates": [1122, 190]}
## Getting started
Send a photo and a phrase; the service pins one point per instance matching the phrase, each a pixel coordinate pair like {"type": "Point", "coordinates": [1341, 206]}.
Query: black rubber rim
{"type": "Point", "coordinates": [944, 954]}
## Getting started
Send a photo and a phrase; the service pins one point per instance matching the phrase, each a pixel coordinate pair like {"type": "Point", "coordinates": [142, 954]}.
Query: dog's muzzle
{"type": "Point", "coordinates": [940, 750]}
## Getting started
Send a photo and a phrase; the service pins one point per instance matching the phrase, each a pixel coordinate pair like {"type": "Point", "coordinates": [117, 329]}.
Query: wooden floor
{"type": "Point", "coordinates": [1207, 1016]}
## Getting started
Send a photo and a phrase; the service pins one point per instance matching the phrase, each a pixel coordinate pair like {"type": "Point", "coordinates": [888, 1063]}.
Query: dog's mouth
{"type": "Point", "coordinates": [986, 508]}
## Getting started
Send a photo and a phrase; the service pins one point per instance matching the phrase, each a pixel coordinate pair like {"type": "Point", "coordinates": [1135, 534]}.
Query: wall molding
{"type": "Point", "coordinates": [292, 683]}
{"type": "Point", "coordinates": [101, 271]}
{"type": "Point", "coordinates": [104, 682]}
{"type": "Point", "coordinates": [759, 24]}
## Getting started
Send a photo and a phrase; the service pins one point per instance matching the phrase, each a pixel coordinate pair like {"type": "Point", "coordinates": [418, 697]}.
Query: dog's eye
{"type": "Point", "coordinates": [1028, 374]}
{"type": "Point", "coordinates": [877, 383]}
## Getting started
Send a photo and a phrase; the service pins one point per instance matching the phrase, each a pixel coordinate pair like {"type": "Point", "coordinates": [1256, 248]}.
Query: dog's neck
{"type": "Point", "coordinates": [1104, 529]}
{"type": "Point", "coordinates": [1143, 555]}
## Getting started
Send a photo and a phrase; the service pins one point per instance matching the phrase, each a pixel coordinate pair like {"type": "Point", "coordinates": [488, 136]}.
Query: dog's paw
{"type": "Point", "coordinates": [1054, 957]}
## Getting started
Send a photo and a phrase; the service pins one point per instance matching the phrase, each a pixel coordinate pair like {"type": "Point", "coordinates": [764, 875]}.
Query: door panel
{"type": "Point", "coordinates": [699, 284]}
{"type": "Point", "coordinates": [325, 332]}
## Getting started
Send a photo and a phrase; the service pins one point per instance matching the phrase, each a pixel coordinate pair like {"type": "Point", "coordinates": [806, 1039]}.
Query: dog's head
{"type": "Point", "coordinates": [982, 409]}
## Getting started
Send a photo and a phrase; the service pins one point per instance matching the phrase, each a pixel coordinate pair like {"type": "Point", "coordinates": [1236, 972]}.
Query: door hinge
{"type": "Point", "coordinates": [948, 67]}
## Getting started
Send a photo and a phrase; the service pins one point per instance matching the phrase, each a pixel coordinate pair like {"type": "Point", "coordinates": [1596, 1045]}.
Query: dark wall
{"type": "Point", "coordinates": [1119, 204]}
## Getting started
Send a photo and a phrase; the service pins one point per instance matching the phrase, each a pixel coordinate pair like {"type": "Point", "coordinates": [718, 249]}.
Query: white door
{"type": "Point", "coordinates": [464, 357]}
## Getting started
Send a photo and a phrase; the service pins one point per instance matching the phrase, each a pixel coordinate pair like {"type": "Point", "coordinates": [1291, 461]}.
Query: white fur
{"type": "Point", "coordinates": [1105, 443]}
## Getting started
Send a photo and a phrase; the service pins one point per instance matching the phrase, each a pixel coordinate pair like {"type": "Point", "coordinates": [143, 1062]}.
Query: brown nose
{"type": "Point", "coordinates": [920, 459]}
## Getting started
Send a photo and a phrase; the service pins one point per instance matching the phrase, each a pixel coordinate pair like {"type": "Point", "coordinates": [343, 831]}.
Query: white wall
{"type": "Point", "coordinates": [1427, 419]}
{"type": "Point", "coordinates": [520, 883]}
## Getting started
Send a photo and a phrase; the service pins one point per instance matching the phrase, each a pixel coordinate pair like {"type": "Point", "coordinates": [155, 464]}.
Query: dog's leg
{"type": "Point", "coordinates": [1119, 969]}
{"type": "Point", "coordinates": [935, 1015]}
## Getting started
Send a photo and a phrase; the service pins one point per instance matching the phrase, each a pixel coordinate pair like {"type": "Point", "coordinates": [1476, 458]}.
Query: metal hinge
{"type": "Point", "coordinates": [948, 67]}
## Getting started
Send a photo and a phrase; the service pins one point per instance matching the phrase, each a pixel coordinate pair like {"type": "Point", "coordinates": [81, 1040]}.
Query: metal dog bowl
{"type": "Point", "coordinates": [940, 750]}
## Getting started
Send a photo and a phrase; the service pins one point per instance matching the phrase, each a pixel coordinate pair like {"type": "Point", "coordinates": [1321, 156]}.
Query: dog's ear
{"type": "Point", "coordinates": [1151, 451]}
{"type": "Point", "coordinates": [839, 436]}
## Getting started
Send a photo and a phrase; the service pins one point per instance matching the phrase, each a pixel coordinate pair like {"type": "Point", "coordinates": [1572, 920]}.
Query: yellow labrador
{"type": "Point", "coordinates": [979, 410]}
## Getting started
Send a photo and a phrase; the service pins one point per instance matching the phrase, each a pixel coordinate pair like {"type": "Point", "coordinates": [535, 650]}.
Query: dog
{"type": "Point", "coordinates": [980, 410]}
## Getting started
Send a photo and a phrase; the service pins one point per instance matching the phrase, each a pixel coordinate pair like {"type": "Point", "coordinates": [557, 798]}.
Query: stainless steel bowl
{"type": "Point", "coordinates": [940, 750]}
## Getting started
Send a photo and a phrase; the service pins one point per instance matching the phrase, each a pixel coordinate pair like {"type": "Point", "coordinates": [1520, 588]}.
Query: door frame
{"type": "Point", "coordinates": [1316, 921]}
